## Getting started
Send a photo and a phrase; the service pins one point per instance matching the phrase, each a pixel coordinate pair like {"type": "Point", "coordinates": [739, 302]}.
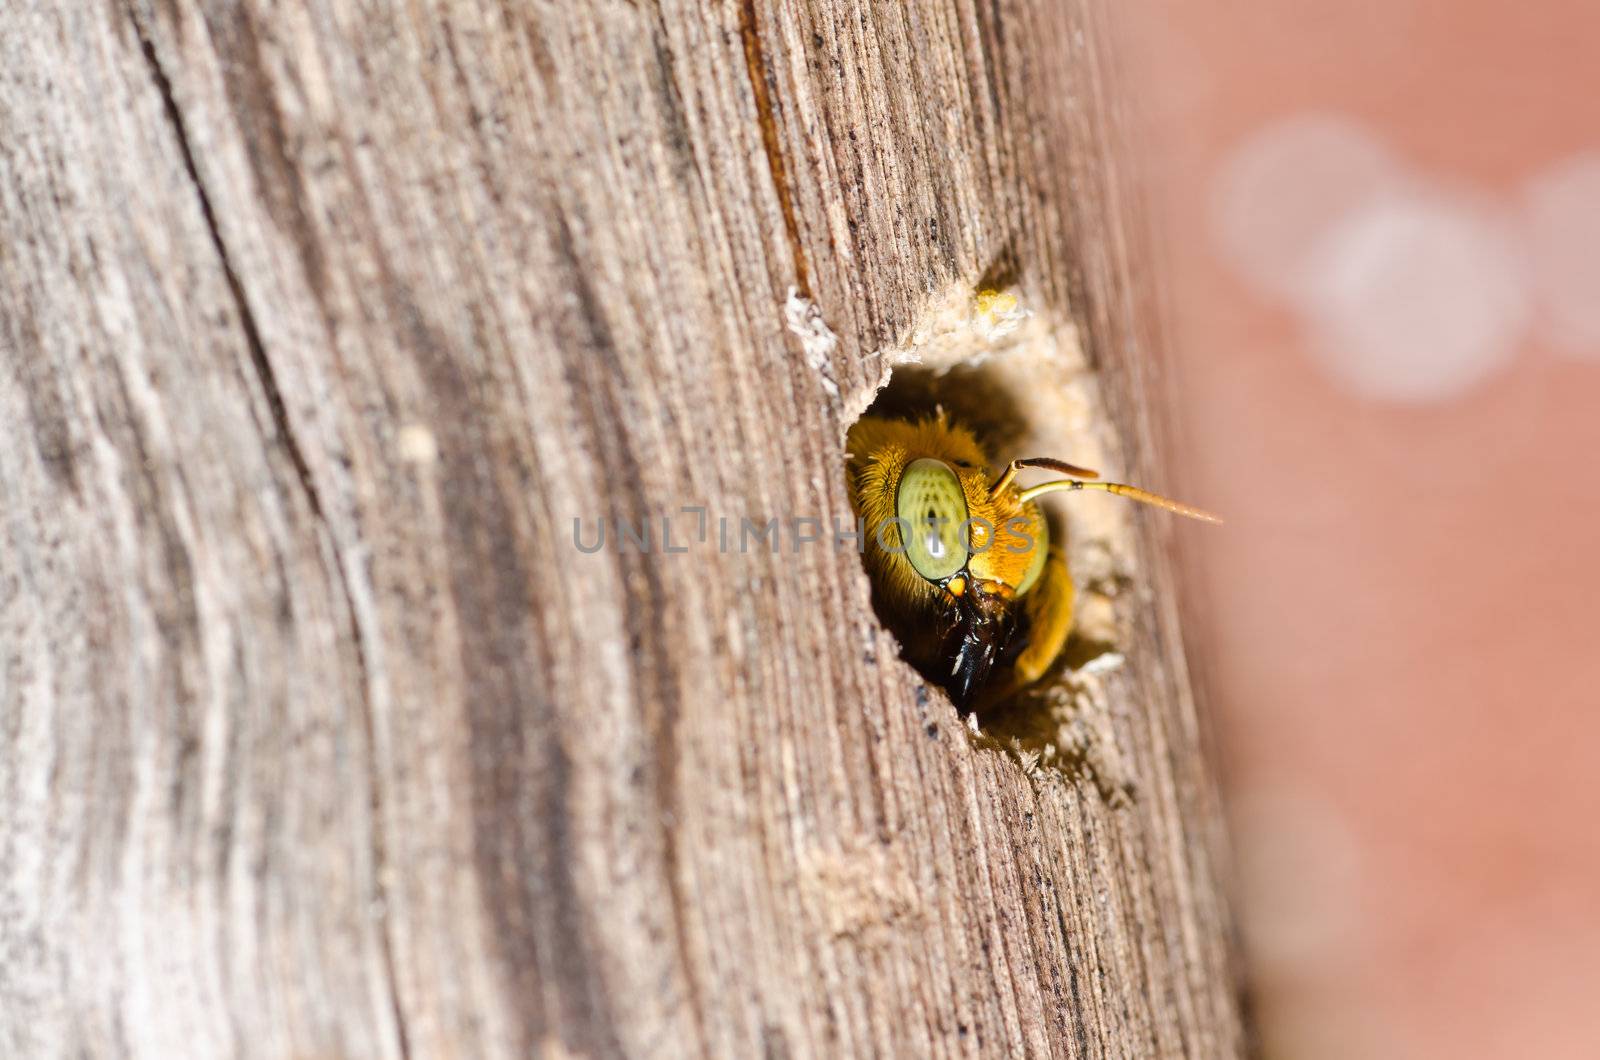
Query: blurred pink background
{"type": "Point", "coordinates": [1381, 223]}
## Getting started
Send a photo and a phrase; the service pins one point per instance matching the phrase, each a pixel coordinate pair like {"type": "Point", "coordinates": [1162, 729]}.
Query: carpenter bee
{"type": "Point", "coordinates": [960, 555]}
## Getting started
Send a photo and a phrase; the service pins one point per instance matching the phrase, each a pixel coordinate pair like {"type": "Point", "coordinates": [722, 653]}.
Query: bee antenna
{"type": "Point", "coordinates": [1121, 490]}
{"type": "Point", "coordinates": [1060, 467]}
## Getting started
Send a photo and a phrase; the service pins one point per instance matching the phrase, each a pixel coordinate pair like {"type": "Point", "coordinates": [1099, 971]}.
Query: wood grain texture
{"type": "Point", "coordinates": [323, 322]}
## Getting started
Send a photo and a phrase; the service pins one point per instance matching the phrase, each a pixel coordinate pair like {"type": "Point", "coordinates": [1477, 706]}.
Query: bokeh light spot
{"type": "Point", "coordinates": [1563, 224]}
{"type": "Point", "coordinates": [1285, 188]}
{"type": "Point", "coordinates": [1416, 297]}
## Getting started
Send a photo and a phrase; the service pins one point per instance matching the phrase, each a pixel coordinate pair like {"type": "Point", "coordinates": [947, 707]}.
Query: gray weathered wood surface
{"type": "Point", "coordinates": [321, 322]}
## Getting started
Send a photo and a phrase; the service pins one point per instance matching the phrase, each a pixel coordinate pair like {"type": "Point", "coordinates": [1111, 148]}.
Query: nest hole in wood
{"type": "Point", "coordinates": [1021, 383]}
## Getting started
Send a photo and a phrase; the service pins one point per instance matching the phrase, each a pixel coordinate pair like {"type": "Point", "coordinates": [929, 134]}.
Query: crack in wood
{"type": "Point", "coordinates": [247, 320]}
{"type": "Point", "coordinates": [756, 61]}
{"type": "Point", "coordinates": [302, 469]}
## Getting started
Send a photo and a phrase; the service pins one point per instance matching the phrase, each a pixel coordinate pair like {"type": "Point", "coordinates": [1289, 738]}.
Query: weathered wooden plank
{"type": "Point", "coordinates": [324, 323]}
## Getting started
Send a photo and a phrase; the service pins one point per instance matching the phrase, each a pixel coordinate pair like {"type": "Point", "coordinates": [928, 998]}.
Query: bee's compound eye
{"type": "Point", "coordinates": [1041, 549]}
{"type": "Point", "coordinates": [932, 508]}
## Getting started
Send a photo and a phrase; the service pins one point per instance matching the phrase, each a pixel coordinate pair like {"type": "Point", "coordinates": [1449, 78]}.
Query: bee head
{"type": "Point", "coordinates": [952, 526]}
{"type": "Point", "coordinates": [973, 554]}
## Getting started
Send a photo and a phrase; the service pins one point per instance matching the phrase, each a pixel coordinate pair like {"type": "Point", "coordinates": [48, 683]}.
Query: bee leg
{"type": "Point", "coordinates": [1049, 610]}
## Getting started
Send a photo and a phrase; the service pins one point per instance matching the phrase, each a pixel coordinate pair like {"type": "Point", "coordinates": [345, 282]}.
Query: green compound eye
{"type": "Point", "coordinates": [933, 508]}
{"type": "Point", "coordinates": [1041, 550]}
